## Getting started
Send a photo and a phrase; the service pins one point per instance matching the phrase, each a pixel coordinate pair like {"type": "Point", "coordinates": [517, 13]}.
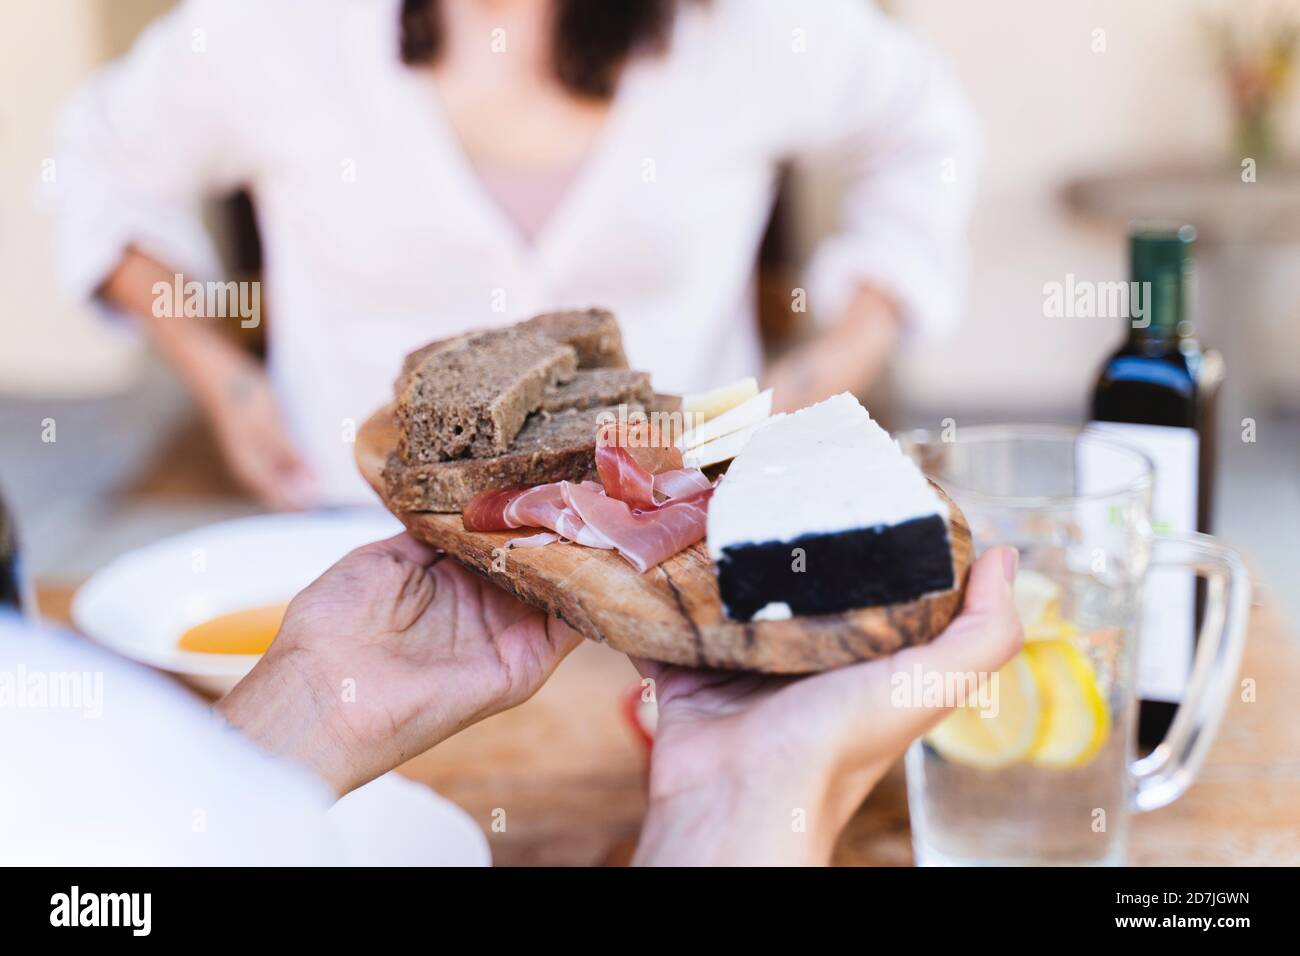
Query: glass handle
{"type": "Point", "coordinates": [1164, 775]}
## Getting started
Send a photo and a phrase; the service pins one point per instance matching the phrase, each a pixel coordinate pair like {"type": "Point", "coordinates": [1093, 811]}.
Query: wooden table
{"type": "Point", "coordinates": [569, 773]}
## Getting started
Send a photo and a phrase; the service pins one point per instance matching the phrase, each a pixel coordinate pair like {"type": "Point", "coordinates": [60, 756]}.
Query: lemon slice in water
{"type": "Point", "coordinates": [1076, 720]}
{"type": "Point", "coordinates": [1038, 603]}
{"type": "Point", "coordinates": [1037, 597]}
{"type": "Point", "coordinates": [1010, 731]}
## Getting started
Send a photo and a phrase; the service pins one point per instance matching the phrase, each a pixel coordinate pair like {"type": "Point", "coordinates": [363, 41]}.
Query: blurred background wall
{"type": "Point", "coordinates": [1052, 110]}
{"type": "Point", "coordinates": [1052, 107]}
{"type": "Point", "coordinates": [1066, 91]}
{"type": "Point", "coordinates": [49, 346]}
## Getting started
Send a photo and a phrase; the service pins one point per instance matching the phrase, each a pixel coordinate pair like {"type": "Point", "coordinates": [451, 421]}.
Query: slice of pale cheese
{"type": "Point", "coordinates": [747, 413]}
{"type": "Point", "coordinates": [702, 406]}
{"type": "Point", "coordinates": [725, 448]}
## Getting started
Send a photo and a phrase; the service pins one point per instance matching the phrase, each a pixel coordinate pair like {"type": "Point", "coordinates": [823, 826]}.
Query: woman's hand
{"type": "Point", "coordinates": [230, 387]}
{"type": "Point", "coordinates": [389, 652]}
{"type": "Point", "coordinates": [846, 357]}
{"type": "Point", "coordinates": [245, 417]}
{"type": "Point", "coordinates": [748, 769]}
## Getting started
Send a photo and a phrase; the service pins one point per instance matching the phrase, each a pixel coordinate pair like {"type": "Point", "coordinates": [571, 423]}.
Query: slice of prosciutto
{"type": "Point", "coordinates": [644, 538]}
{"type": "Point", "coordinates": [538, 540]}
{"type": "Point", "coordinates": [650, 447]}
{"type": "Point", "coordinates": [647, 507]}
{"type": "Point", "coordinates": [629, 455]}
{"type": "Point", "coordinates": [623, 478]}
{"type": "Point", "coordinates": [542, 506]}
{"type": "Point", "coordinates": [682, 483]}
{"type": "Point", "coordinates": [636, 466]}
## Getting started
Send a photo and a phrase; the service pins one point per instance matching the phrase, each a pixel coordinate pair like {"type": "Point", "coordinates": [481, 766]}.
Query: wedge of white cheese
{"type": "Point", "coordinates": [821, 512]}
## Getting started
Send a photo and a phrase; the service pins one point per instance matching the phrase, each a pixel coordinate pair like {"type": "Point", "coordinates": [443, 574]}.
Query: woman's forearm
{"type": "Point", "coordinates": [231, 388]}
{"type": "Point", "coordinates": [848, 356]}
{"type": "Point", "coordinates": [207, 361]}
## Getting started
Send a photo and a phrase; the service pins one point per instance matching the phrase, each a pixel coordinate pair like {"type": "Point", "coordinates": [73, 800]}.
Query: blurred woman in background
{"type": "Point", "coordinates": [423, 167]}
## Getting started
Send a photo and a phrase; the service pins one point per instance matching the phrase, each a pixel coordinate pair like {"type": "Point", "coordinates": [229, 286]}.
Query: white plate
{"type": "Point", "coordinates": [143, 601]}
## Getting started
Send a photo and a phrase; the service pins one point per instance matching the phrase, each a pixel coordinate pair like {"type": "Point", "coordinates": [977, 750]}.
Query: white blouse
{"type": "Point", "coordinates": [379, 236]}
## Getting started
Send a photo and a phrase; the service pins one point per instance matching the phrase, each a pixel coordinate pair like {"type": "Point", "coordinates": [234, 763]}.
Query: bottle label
{"type": "Point", "coordinates": [1167, 638]}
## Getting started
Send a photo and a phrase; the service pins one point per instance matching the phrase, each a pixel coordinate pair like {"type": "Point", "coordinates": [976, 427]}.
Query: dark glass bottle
{"type": "Point", "coordinates": [1153, 392]}
{"type": "Point", "coordinates": [12, 595]}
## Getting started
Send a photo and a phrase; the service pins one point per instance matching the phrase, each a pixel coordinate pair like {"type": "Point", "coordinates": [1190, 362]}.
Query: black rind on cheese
{"type": "Point", "coordinates": [863, 567]}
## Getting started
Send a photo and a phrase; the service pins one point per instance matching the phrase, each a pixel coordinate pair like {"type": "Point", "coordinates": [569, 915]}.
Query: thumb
{"type": "Point", "coordinates": [987, 633]}
{"type": "Point", "coordinates": [561, 636]}
{"type": "Point", "coordinates": [980, 640]}
{"type": "Point", "coordinates": [402, 547]}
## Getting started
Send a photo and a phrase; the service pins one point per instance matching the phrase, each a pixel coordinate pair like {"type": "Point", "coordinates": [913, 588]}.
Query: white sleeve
{"type": "Point", "coordinates": [108, 764]}
{"type": "Point", "coordinates": [146, 141]}
{"type": "Point", "coordinates": [881, 106]}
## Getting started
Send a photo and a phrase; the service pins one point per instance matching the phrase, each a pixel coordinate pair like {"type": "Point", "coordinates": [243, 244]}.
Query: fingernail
{"type": "Point", "coordinates": [1010, 561]}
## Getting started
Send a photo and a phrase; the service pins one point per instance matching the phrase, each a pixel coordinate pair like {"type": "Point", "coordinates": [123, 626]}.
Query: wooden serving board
{"type": "Point", "coordinates": [671, 613]}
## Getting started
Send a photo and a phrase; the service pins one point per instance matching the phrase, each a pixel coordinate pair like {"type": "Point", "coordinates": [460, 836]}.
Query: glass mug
{"type": "Point", "coordinates": [1043, 771]}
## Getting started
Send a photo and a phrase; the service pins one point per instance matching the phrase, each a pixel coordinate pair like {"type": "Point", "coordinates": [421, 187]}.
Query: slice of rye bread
{"type": "Point", "coordinates": [415, 359]}
{"type": "Point", "coordinates": [593, 333]}
{"type": "Point", "coordinates": [594, 387]}
{"type": "Point", "coordinates": [557, 447]}
{"type": "Point", "coordinates": [472, 397]}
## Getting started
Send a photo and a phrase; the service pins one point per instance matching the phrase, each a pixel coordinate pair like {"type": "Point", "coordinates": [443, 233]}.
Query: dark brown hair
{"type": "Point", "coordinates": [593, 38]}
